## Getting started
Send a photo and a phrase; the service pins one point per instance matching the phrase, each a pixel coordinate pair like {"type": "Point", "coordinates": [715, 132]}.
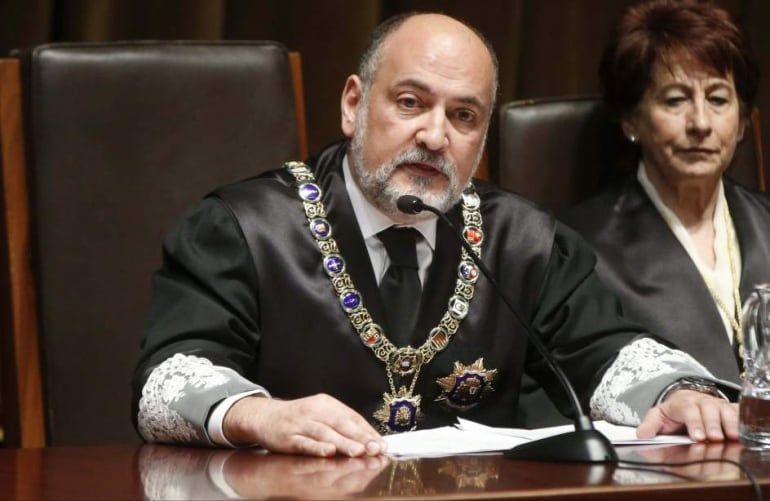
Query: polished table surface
{"type": "Point", "coordinates": [168, 472]}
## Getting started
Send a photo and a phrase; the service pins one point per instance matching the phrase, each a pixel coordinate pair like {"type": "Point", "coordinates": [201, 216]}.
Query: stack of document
{"type": "Point", "coordinates": [468, 437]}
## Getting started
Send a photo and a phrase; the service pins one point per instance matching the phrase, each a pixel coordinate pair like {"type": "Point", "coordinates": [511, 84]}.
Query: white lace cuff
{"type": "Point", "coordinates": [178, 395]}
{"type": "Point", "coordinates": [642, 370]}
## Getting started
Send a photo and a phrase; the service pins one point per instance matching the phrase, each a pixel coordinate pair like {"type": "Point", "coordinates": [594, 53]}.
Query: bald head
{"type": "Point", "coordinates": [418, 112]}
{"type": "Point", "coordinates": [413, 28]}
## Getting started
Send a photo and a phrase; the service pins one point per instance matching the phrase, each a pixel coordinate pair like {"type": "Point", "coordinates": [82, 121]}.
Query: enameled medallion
{"type": "Point", "coordinates": [399, 412]}
{"type": "Point", "coordinates": [466, 385]}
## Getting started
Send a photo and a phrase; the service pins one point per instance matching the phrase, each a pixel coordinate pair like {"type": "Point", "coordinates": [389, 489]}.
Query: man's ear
{"type": "Point", "coordinates": [352, 96]}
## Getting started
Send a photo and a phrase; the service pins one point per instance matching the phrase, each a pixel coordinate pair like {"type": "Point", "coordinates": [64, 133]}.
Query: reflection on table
{"type": "Point", "coordinates": [178, 472]}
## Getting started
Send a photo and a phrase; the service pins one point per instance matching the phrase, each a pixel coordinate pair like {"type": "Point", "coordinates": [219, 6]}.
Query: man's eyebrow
{"type": "Point", "coordinates": [423, 87]}
{"type": "Point", "coordinates": [472, 100]}
{"type": "Point", "coordinates": [412, 82]}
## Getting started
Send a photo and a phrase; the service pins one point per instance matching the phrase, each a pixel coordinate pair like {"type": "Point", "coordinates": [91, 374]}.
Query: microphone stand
{"type": "Point", "coordinates": [585, 444]}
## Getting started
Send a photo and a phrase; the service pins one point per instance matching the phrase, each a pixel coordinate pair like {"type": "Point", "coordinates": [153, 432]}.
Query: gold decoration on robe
{"type": "Point", "coordinates": [466, 385]}
{"type": "Point", "coordinates": [399, 411]}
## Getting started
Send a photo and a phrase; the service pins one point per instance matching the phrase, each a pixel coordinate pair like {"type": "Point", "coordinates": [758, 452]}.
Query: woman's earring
{"type": "Point", "coordinates": [632, 138]}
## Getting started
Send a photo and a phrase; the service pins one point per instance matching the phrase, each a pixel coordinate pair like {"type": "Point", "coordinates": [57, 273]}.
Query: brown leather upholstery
{"type": "Point", "coordinates": [560, 151]}
{"type": "Point", "coordinates": [120, 139]}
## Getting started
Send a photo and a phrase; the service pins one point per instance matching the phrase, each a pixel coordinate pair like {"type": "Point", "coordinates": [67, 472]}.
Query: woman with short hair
{"type": "Point", "coordinates": [681, 243]}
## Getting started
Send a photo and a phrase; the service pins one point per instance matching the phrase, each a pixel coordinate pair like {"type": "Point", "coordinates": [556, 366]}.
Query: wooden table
{"type": "Point", "coordinates": [167, 472]}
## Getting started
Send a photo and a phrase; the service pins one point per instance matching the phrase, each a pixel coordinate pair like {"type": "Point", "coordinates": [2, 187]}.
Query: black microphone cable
{"type": "Point", "coordinates": [585, 444]}
{"type": "Point", "coordinates": [412, 205]}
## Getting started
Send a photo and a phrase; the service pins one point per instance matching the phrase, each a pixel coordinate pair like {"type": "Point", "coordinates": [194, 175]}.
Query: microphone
{"type": "Point", "coordinates": [585, 444]}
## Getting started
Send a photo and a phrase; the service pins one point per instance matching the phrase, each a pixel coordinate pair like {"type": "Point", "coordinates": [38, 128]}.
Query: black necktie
{"type": "Point", "coordinates": [400, 286]}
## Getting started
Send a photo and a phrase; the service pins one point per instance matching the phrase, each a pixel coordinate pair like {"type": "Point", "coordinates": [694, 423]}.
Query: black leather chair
{"type": "Point", "coordinates": [557, 152]}
{"type": "Point", "coordinates": [119, 139]}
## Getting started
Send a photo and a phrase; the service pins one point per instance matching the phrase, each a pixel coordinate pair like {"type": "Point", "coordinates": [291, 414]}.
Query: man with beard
{"type": "Point", "coordinates": [274, 320]}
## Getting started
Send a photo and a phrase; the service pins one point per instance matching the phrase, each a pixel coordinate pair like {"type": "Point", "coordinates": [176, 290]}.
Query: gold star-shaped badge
{"type": "Point", "coordinates": [399, 412]}
{"type": "Point", "coordinates": [466, 385]}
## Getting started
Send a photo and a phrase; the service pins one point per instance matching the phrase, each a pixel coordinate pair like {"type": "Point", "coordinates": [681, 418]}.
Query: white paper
{"type": "Point", "coordinates": [469, 437]}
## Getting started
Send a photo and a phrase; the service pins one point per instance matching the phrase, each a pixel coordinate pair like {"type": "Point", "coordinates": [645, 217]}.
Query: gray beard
{"type": "Point", "coordinates": [376, 186]}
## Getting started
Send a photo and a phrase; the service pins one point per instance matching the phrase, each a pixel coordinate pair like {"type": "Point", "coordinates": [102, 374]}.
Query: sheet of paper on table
{"type": "Point", "coordinates": [468, 437]}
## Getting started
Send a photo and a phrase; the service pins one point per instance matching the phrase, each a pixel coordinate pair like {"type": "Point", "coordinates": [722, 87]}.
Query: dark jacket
{"type": "Point", "coordinates": [242, 285]}
{"type": "Point", "coordinates": [660, 287]}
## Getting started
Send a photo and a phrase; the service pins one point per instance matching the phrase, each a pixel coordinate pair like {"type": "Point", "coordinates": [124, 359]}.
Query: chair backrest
{"type": "Point", "coordinates": [119, 139]}
{"type": "Point", "coordinates": [557, 152]}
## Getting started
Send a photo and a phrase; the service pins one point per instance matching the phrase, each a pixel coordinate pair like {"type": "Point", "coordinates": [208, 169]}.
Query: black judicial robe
{"type": "Point", "coordinates": [660, 287]}
{"type": "Point", "coordinates": [242, 285]}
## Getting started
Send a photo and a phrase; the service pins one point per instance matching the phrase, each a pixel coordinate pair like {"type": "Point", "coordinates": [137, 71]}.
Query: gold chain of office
{"type": "Point", "coordinates": [401, 409]}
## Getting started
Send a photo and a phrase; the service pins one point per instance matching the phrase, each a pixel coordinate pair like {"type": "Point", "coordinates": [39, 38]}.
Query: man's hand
{"type": "Point", "coordinates": [705, 417]}
{"type": "Point", "coordinates": [319, 425]}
